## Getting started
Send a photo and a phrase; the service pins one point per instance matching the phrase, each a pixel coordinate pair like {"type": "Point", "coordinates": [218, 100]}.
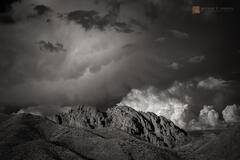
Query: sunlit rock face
{"type": "Point", "coordinates": [148, 126]}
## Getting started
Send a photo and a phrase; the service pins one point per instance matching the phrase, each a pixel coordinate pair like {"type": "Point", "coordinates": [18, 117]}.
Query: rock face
{"type": "Point", "coordinates": [83, 116]}
{"type": "Point", "coordinates": [28, 137]}
{"type": "Point", "coordinates": [148, 126]}
{"type": "Point", "coordinates": [155, 129]}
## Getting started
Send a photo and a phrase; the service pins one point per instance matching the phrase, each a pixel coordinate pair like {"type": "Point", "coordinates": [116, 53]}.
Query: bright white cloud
{"type": "Point", "coordinates": [208, 116]}
{"type": "Point", "coordinates": [212, 83]}
{"type": "Point", "coordinates": [179, 103]}
{"type": "Point", "coordinates": [231, 113]}
{"type": "Point", "coordinates": [162, 103]}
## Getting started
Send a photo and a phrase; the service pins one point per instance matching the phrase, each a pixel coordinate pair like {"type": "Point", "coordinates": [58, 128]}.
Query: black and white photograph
{"type": "Point", "coordinates": [119, 80]}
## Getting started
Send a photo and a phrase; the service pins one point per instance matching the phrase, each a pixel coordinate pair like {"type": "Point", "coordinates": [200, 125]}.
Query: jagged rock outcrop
{"type": "Point", "coordinates": [29, 137]}
{"type": "Point", "coordinates": [83, 116]}
{"type": "Point", "coordinates": [155, 129]}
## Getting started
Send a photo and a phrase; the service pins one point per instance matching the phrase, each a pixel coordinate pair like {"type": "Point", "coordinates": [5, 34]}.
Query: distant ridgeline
{"type": "Point", "coordinates": [148, 126]}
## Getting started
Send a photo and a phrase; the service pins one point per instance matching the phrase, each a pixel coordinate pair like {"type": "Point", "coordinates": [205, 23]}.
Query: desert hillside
{"type": "Point", "coordinates": [27, 137]}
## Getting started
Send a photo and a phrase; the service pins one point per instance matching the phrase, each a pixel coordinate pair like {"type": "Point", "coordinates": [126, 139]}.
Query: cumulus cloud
{"type": "Point", "coordinates": [179, 103]}
{"type": "Point", "coordinates": [209, 116]}
{"type": "Point", "coordinates": [163, 103]}
{"type": "Point", "coordinates": [231, 113]}
{"type": "Point", "coordinates": [208, 119]}
{"type": "Point", "coordinates": [196, 59]}
{"type": "Point", "coordinates": [212, 83]}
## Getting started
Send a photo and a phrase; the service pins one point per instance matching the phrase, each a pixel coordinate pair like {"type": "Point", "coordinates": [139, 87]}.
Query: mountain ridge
{"type": "Point", "coordinates": [27, 137]}
{"type": "Point", "coordinates": [157, 130]}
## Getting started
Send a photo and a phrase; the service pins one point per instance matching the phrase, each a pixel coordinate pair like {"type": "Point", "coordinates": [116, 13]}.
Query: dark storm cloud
{"type": "Point", "coordinates": [87, 19]}
{"type": "Point", "coordinates": [42, 9]}
{"type": "Point", "coordinates": [6, 5]}
{"type": "Point", "coordinates": [139, 24]}
{"type": "Point", "coordinates": [152, 10]}
{"type": "Point", "coordinates": [122, 27]}
{"type": "Point", "coordinates": [48, 46]}
{"type": "Point", "coordinates": [6, 11]}
{"type": "Point", "coordinates": [90, 19]}
{"type": "Point", "coordinates": [113, 47]}
{"type": "Point", "coordinates": [6, 19]}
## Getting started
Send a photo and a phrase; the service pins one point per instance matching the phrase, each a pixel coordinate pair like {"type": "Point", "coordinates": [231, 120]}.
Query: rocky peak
{"type": "Point", "coordinates": [155, 129]}
{"type": "Point", "coordinates": [148, 126]}
{"type": "Point", "coordinates": [83, 116]}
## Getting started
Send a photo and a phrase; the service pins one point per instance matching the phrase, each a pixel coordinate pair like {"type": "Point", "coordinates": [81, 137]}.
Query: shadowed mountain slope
{"type": "Point", "coordinates": [27, 137]}
{"type": "Point", "coordinates": [213, 144]}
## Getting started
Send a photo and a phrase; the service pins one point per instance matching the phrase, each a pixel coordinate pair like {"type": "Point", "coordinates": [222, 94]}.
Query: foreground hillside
{"type": "Point", "coordinates": [121, 133]}
{"type": "Point", "coordinates": [28, 137]}
{"type": "Point", "coordinates": [221, 144]}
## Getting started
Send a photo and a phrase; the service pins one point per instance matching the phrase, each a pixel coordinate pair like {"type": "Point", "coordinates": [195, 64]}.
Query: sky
{"type": "Point", "coordinates": [106, 52]}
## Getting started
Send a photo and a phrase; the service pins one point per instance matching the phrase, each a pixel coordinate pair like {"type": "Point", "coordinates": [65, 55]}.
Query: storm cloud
{"type": "Point", "coordinates": [98, 52]}
{"type": "Point", "coordinates": [42, 9]}
{"type": "Point", "coordinates": [6, 11]}
{"type": "Point", "coordinates": [48, 46]}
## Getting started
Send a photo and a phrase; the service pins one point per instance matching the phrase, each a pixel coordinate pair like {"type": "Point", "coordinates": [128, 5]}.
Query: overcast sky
{"type": "Point", "coordinates": [97, 51]}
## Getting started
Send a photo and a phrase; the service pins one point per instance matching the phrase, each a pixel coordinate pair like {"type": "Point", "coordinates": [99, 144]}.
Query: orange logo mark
{"type": "Point", "coordinates": [196, 9]}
